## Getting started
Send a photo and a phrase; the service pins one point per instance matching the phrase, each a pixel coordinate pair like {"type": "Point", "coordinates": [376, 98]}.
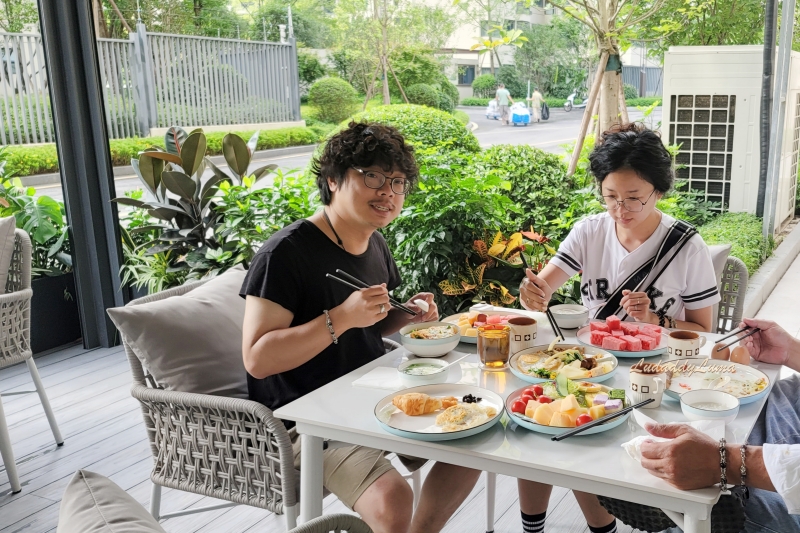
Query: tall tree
{"type": "Point", "coordinates": [485, 15]}
{"type": "Point", "coordinates": [15, 15]}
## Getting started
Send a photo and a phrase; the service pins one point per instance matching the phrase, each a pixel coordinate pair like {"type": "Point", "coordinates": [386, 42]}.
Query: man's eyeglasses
{"type": "Point", "coordinates": [376, 180]}
{"type": "Point", "coordinates": [630, 204]}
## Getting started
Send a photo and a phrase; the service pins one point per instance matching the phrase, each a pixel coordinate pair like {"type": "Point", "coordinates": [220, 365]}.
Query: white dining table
{"type": "Point", "coordinates": [595, 463]}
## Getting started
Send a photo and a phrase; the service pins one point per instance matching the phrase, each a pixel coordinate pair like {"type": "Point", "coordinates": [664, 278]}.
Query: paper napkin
{"type": "Point", "coordinates": [713, 428]}
{"type": "Point", "coordinates": [380, 377]}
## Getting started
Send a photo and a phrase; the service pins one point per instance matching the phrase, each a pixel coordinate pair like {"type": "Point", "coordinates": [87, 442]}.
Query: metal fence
{"type": "Point", "coordinates": [652, 79]}
{"type": "Point", "coordinates": [155, 80]}
{"type": "Point", "coordinates": [24, 101]}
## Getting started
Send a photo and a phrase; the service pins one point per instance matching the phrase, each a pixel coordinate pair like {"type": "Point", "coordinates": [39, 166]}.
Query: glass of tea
{"type": "Point", "coordinates": [494, 346]}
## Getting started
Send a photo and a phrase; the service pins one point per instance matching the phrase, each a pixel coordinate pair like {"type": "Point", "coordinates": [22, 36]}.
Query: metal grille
{"type": "Point", "coordinates": [114, 57]}
{"type": "Point", "coordinates": [25, 106]}
{"type": "Point", "coordinates": [653, 79]}
{"type": "Point", "coordinates": [703, 126]}
{"type": "Point", "coordinates": [200, 80]}
{"type": "Point", "coordinates": [795, 155]}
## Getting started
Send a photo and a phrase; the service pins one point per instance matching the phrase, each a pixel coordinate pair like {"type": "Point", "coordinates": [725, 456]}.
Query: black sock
{"type": "Point", "coordinates": [533, 523]}
{"type": "Point", "coordinates": [610, 528]}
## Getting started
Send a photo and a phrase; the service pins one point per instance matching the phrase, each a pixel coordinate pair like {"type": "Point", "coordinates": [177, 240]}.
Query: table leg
{"type": "Point", "coordinates": [310, 478]}
{"type": "Point", "coordinates": [696, 525]}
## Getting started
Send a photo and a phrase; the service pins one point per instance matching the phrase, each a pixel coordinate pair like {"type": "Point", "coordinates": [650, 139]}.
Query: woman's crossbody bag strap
{"type": "Point", "coordinates": [679, 233]}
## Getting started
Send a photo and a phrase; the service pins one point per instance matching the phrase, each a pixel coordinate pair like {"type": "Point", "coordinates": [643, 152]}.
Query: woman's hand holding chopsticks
{"type": "Point", "coordinates": [534, 292]}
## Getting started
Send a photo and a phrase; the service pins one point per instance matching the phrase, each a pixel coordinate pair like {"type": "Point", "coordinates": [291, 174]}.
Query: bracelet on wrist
{"type": "Point", "coordinates": [723, 466]}
{"type": "Point", "coordinates": [329, 323]}
{"type": "Point", "coordinates": [743, 471]}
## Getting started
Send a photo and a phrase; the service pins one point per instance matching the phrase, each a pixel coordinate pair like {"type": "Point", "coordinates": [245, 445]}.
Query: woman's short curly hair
{"type": "Point", "coordinates": [363, 144]}
{"type": "Point", "coordinates": [633, 146]}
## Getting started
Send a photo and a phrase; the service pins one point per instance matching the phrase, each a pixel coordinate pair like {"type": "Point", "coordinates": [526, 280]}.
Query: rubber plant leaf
{"type": "Point", "coordinates": [124, 200]}
{"type": "Point", "coordinates": [149, 170]}
{"type": "Point", "coordinates": [263, 172]}
{"type": "Point", "coordinates": [193, 151]}
{"type": "Point", "coordinates": [180, 184]}
{"type": "Point", "coordinates": [252, 144]}
{"type": "Point", "coordinates": [173, 139]}
{"type": "Point", "coordinates": [236, 153]}
{"type": "Point", "coordinates": [171, 158]}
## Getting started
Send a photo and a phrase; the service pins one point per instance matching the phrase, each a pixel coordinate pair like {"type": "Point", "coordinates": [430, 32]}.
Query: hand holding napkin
{"type": "Point", "coordinates": [713, 428]}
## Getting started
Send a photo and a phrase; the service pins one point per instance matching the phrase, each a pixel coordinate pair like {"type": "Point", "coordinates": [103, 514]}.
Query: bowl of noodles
{"type": "Point", "coordinates": [430, 339]}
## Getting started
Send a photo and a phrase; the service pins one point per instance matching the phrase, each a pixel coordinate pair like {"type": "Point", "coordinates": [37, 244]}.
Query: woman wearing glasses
{"type": "Point", "coordinates": [635, 262]}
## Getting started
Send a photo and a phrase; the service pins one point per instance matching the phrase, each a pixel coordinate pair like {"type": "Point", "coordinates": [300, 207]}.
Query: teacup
{"type": "Point", "coordinates": [684, 344]}
{"type": "Point", "coordinates": [523, 333]}
{"type": "Point", "coordinates": [646, 385]}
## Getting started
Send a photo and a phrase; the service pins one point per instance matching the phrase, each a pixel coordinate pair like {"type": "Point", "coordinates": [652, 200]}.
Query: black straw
{"type": "Point", "coordinates": [600, 420]}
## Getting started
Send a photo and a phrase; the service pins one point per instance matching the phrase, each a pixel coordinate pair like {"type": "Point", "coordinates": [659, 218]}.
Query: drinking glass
{"type": "Point", "coordinates": [494, 346]}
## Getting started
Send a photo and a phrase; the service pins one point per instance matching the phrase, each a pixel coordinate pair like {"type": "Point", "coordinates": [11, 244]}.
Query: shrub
{"type": "Point", "coordinates": [464, 119]}
{"type": "Point", "coordinates": [688, 205]}
{"type": "Point", "coordinates": [539, 183]}
{"type": "Point", "coordinates": [631, 92]}
{"type": "Point", "coordinates": [449, 89]}
{"type": "Point", "coordinates": [423, 94]}
{"type": "Point", "coordinates": [509, 75]}
{"type": "Point", "coordinates": [743, 232]}
{"type": "Point", "coordinates": [309, 69]}
{"type": "Point", "coordinates": [334, 98]}
{"type": "Point", "coordinates": [478, 102]}
{"type": "Point", "coordinates": [414, 65]}
{"type": "Point", "coordinates": [555, 103]}
{"type": "Point", "coordinates": [484, 86]}
{"type": "Point", "coordinates": [643, 102]}
{"type": "Point", "coordinates": [446, 104]}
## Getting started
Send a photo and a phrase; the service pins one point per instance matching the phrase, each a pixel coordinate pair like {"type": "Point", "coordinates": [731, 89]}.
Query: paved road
{"type": "Point", "coordinates": [550, 135]}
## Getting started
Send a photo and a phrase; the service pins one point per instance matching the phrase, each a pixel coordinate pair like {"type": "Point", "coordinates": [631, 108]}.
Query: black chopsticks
{"type": "Point", "coordinates": [600, 420]}
{"type": "Point", "coordinates": [357, 284]}
{"type": "Point", "coordinates": [549, 313]}
{"type": "Point", "coordinates": [755, 330]}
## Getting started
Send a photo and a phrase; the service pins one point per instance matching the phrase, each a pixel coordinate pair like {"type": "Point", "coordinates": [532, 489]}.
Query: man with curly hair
{"type": "Point", "coordinates": [301, 331]}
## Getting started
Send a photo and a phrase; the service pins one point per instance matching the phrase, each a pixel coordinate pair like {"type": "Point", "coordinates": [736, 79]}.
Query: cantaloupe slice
{"type": "Point", "coordinates": [471, 332]}
{"type": "Point", "coordinates": [556, 405]}
{"type": "Point", "coordinates": [569, 403]}
{"type": "Point", "coordinates": [530, 409]}
{"type": "Point", "coordinates": [597, 411]}
{"type": "Point", "coordinates": [562, 420]}
{"type": "Point", "coordinates": [543, 414]}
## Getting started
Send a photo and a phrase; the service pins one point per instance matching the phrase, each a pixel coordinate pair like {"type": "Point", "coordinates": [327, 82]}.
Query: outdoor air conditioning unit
{"type": "Point", "coordinates": [712, 106]}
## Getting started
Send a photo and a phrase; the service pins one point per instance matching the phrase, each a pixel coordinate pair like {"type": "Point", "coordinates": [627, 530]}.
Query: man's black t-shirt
{"type": "Point", "coordinates": [289, 270]}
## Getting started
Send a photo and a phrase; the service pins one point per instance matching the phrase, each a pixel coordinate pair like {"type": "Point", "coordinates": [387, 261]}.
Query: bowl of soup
{"type": "Point", "coordinates": [704, 404]}
{"type": "Point", "coordinates": [430, 339]}
{"type": "Point", "coordinates": [570, 316]}
{"type": "Point", "coordinates": [415, 372]}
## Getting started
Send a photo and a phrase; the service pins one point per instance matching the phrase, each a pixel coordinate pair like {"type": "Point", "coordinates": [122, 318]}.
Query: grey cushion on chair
{"type": "Point", "coordinates": [719, 255]}
{"type": "Point", "coordinates": [95, 504]}
{"type": "Point", "coordinates": [7, 227]}
{"type": "Point", "coordinates": [191, 343]}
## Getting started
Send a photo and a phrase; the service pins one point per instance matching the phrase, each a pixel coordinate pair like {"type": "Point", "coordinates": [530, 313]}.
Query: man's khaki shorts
{"type": "Point", "coordinates": [347, 472]}
{"type": "Point", "coordinates": [503, 113]}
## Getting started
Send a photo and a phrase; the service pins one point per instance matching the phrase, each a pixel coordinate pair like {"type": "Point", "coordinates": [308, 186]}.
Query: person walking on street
{"type": "Point", "coordinates": [504, 99]}
{"type": "Point", "coordinates": [535, 104]}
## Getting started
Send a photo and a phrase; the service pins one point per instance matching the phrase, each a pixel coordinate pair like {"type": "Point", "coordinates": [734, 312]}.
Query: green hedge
{"type": "Point", "coordinates": [743, 232]}
{"type": "Point", "coordinates": [30, 160]}
{"type": "Point", "coordinates": [464, 119]}
{"type": "Point", "coordinates": [643, 102]}
{"type": "Point", "coordinates": [552, 103]}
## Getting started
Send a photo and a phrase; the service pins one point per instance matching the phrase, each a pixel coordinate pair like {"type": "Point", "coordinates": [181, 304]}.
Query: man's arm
{"type": "Point", "coordinates": [270, 346]}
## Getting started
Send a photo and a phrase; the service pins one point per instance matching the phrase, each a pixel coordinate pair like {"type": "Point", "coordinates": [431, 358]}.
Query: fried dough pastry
{"type": "Point", "coordinates": [417, 403]}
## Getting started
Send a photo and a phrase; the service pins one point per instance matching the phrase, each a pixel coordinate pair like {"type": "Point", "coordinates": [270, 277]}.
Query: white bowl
{"type": "Point", "coordinates": [692, 405]}
{"type": "Point", "coordinates": [429, 347]}
{"type": "Point", "coordinates": [570, 320]}
{"type": "Point", "coordinates": [409, 380]}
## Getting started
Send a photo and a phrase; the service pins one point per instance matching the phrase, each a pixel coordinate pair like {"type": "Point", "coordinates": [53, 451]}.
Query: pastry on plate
{"type": "Point", "coordinates": [418, 403]}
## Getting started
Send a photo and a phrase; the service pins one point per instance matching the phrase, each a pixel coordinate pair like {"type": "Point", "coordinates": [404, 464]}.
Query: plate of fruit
{"type": "Point", "coordinates": [468, 323]}
{"type": "Point", "coordinates": [624, 339]}
{"type": "Point", "coordinates": [544, 363]}
{"type": "Point", "coordinates": [561, 404]}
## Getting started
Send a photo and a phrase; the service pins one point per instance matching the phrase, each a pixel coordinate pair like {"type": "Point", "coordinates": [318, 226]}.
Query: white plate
{"type": "Point", "coordinates": [424, 427]}
{"type": "Point", "coordinates": [453, 319]}
{"type": "Point", "coordinates": [527, 423]}
{"type": "Point", "coordinates": [585, 338]}
{"type": "Point", "coordinates": [697, 380]}
{"type": "Point", "coordinates": [590, 350]}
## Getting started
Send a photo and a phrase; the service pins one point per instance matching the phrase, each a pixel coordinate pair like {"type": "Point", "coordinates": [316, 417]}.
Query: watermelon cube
{"type": "Point", "coordinates": [617, 333]}
{"type": "Point", "coordinates": [613, 322]}
{"type": "Point", "coordinates": [634, 344]}
{"type": "Point", "coordinates": [630, 328]}
{"type": "Point", "coordinates": [651, 331]}
{"type": "Point", "coordinates": [614, 343]}
{"type": "Point", "coordinates": [494, 319]}
{"type": "Point", "coordinates": [599, 326]}
{"type": "Point", "coordinates": [598, 336]}
{"type": "Point", "coordinates": [648, 343]}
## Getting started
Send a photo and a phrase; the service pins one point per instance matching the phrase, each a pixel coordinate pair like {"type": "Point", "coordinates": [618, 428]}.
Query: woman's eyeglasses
{"type": "Point", "coordinates": [630, 204]}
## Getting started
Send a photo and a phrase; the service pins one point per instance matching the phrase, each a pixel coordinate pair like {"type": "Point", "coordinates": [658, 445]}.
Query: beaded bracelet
{"type": "Point", "coordinates": [329, 323]}
{"type": "Point", "coordinates": [743, 471]}
{"type": "Point", "coordinates": [723, 466]}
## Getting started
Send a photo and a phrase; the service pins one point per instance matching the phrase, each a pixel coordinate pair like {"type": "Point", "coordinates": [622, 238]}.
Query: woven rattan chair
{"type": "Point", "coordinates": [733, 287]}
{"type": "Point", "coordinates": [227, 448]}
{"type": "Point", "coordinates": [15, 344]}
{"type": "Point", "coordinates": [334, 523]}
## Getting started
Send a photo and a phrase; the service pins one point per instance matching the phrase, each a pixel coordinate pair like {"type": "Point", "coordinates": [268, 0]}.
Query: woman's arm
{"type": "Point", "coordinates": [637, 305]}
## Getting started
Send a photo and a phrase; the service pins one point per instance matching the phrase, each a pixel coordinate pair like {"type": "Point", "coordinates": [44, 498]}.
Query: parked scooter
{"type": "Point", "coordinates": [570, 103]}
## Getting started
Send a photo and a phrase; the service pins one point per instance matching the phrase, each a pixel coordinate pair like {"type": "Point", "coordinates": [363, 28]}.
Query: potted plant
{"type": "Point", "coordinates": [54, 308]}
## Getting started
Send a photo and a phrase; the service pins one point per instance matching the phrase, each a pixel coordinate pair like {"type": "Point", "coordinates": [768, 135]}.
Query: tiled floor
{"type": "Point", "coordinates": [104, 433]}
